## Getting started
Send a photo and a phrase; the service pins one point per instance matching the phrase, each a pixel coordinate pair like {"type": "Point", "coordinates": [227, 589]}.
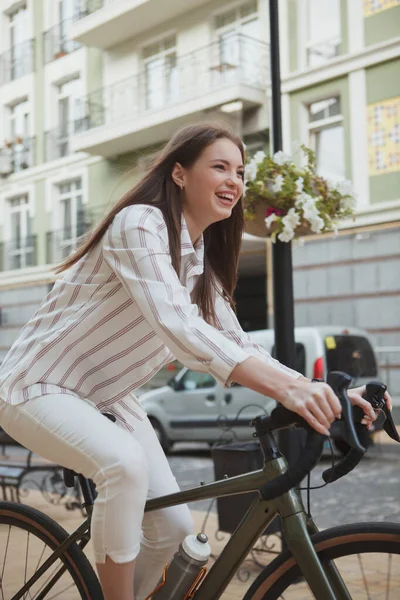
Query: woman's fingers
{"type": "Point", "coordinates": [389, 401]}
{"type": "Point", "coordinates": [313, 421]}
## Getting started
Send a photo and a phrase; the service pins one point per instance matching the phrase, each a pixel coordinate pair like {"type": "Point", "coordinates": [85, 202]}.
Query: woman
{"type": "Point", "coordinates": [153, 282]}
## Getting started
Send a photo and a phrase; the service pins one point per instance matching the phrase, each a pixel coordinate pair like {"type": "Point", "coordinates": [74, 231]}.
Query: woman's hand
{"type": "Point", "coordinates": [316, 402]}
{"type": "Point", "coordinates": [356, 399]}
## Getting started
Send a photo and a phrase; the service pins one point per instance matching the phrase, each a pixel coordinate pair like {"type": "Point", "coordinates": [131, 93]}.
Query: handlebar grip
{"type": "Point", "coordinates": [354, 456]}
{"type": "Point", "coordinates": [295, 474]}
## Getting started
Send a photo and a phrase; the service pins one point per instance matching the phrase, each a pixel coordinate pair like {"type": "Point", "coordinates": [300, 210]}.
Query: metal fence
{"type": "Point", "coordinates": [238, 60]}
{"type": "Point", "coordinates": [57, 42]}
{"type": "Point", "coordinates": [57, 142]}
{"type": "Point", "coordinates": [17, 61]}
{"type": "Point", "coordinates": [17, 155]}
{"type": "Point", "coordinates": [18, 253]}
{"type": "Point", "coordinates": [87, 7]}
{"type": "Point", "coordinates": [389, 365]}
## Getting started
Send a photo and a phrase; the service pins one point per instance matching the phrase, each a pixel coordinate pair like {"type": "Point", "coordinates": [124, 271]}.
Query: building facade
{"type": "Point", "coordinates": [90, 90]}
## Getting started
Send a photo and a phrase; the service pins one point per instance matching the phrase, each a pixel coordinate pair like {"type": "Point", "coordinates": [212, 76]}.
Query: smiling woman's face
{"type": "Point", "coordinates": [212, 186]}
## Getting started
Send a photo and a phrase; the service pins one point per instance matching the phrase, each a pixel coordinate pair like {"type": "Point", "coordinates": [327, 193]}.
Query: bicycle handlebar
{"type": "Point", "coordinates": [353, 433]}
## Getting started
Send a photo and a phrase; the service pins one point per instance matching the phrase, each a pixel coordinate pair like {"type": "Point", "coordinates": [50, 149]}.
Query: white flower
{"type": "Point", "coordinates": [299, 184]}
{"type": "Point", "coordinates": [349, 202]}
{"type": "Point", "coordinates": [278, 183]}
{"type": "Point", "coordinates": [317, 224]}
{"type": "Point", "coordinates": [291, 220]}
{"type": "Point", "coordinates": [259, 157]}
{"type": "Point", "coordinates": [344, 187]}
{"type": "Point", "coordinates": [304, 198]}
{"type": "Point", "coordinates": [286, 235]}
{"type": "Point", "coordinates": [251, 171]}
{"type": "Point", "coordinates": [335, 229]}
{"type": "Point", "coordinates": [269, 220]}
{"type": "Point", "coordinates": [281, 157]}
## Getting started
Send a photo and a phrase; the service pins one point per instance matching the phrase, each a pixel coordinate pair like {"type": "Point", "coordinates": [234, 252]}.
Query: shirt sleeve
{"type": "Point", "coordinates": [136, 248]}
{"type": "Point", "coordinates": [230, 327]}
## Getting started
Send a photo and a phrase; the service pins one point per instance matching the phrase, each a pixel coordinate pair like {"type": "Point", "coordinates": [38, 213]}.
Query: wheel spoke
{"type": "Point", "coordinates": [388, 576]}
{"type": "Point", "coordinates": [363, 576]}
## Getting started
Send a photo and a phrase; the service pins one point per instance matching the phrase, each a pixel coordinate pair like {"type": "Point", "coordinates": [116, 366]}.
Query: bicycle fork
{"type": "Point", "coordinates": [324, 578]}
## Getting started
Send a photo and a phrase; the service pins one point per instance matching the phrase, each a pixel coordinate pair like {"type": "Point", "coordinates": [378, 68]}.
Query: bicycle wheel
{"type": "Point", "coordinates": [366, 554]}
{"type": "Point", "coordinates": [27, 538]}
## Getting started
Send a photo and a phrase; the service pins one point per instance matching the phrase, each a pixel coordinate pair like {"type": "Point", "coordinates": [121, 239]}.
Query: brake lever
{"type": "Point", "coordinates": [340, 382]}
{"type": "Point", "coordinates": [375, 395]}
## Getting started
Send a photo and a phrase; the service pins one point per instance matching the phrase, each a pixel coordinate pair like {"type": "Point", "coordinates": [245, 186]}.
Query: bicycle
{"type": "Point", "coordinates": [311, 556]}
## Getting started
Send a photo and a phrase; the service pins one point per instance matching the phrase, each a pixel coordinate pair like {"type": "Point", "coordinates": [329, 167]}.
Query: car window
{"type": "Point", "coordinates": [351, 354]}
{"type": "Point", "coordinates": [196, 381]}
{"type": "Point", "coordinates": [300, 360]}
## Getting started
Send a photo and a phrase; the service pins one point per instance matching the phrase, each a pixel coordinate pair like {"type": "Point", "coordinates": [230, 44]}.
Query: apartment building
{"type": "Point", "coordinates": [90, 90]}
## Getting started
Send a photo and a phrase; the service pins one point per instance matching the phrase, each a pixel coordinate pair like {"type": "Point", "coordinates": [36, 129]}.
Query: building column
{"type": "Point", "coordinates": [358, 137]}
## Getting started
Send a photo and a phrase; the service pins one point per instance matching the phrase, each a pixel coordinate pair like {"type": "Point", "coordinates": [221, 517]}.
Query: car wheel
{"type": "Point", "coordinates": [166, 444]}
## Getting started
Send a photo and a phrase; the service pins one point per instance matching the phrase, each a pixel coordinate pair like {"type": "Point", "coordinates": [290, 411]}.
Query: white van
{"type": "Point", "coordinates": [193, 406]}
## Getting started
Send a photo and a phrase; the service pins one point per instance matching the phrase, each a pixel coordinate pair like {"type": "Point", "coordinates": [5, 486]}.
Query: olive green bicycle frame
{"type": "Point", "coordinates": [325, 581]}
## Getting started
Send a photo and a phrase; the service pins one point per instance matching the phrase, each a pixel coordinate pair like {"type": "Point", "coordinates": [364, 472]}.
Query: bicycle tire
{"type": "Point", "coordinates": [52, 534]}
{"type": "Point", "coordinates": [334, 543]}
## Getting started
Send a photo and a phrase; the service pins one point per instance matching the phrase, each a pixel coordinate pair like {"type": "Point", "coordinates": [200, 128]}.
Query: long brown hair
{"type": "Point", "coordinates": [222, 240]}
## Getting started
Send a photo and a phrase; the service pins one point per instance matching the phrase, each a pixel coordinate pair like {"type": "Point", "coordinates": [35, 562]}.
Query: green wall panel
{"type": "Point", "coordinates": [382, 26]}
{"type": "Point", "coordinates": [383, 81]}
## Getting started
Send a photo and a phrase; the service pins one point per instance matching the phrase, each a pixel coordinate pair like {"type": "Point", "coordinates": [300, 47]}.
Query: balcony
{"type": "Point", "coordinates": [17, 156]}
{"type": "Point", "coordinates": [57, 41]}
{"type": "Point", "coordinates": [105, 23]}
{"type": "Point", "coordinates": [57, 143]}
{"type": "Point", "coordinates": [61, 243]}
{"type": "Point", "coordinates": [147, 108]}
{"type": "Point", "coordinates": [17, 61]}
{"type": "Point", "coordinates": [18, 253]}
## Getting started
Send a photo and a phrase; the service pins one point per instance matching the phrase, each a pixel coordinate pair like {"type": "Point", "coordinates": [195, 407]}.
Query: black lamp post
{"type": "Point", "coordinates": [289, 441]}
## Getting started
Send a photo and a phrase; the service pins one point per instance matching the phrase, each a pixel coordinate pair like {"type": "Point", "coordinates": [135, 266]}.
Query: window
{"type": "Point", "coordinates": [161, 73]}
{"type": "Point", "coordinates": [68, 94]}
{"type": "Point", "coordinates": [327, 137]}
{"type": "Point", "coordinates": [66, 11]}
{"type": "Point", "coordinates": [21, 250]}
{"type": "Point", "coordinates": [20, 142]}
{"type": "Point", "coordinates": [193, 380]}
{"type": "Point", "coordinates": [18, 35]}
{"type": "Point", "coordinates": [323, 39]}
{"type": "Point", "coordinates": [72, 215]}
{"type": "Point", "coordinates": [236, 29]}
{"type": "Point", "coordinates": [351, 354]}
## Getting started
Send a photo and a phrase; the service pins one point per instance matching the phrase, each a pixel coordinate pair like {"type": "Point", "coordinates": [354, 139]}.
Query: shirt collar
{"type": "Point", "coordinates": [187, 247]}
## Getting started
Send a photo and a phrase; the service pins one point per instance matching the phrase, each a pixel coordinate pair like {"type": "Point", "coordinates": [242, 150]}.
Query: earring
{"type": "Point", "coordinates": [182, 186]}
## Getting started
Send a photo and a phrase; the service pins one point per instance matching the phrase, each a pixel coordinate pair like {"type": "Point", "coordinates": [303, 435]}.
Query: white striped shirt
{"type": "Point", "coordinates": [118, 316]}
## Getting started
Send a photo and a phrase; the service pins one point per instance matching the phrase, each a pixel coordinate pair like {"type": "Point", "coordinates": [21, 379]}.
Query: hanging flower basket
{"type": "Point", "coordinates": [285, 201]}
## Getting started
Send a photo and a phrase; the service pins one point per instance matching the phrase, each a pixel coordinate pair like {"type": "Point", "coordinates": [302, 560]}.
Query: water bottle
{"type": "Point", "coordinates": [184, 570]}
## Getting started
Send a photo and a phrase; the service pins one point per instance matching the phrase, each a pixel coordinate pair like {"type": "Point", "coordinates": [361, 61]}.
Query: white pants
{"type": "Point", "coordinates": [127, 468]}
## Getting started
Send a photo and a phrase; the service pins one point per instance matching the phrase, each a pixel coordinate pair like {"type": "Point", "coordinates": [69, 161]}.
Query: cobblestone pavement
{"type": "Point", "coordinates": [370, 492]}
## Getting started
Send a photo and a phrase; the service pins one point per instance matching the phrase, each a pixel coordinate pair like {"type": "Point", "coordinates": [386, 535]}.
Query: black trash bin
{"type": "Point", "coordinates": [233, 459]}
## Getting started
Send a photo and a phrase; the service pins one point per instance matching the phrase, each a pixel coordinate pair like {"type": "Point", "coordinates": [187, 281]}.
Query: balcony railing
{"type": "Point", "coordinates": [238, 60]}
{"type": "Point", "coordinates": [57, 142]}
{"type": "Point", "coordinates": [18, 253]}
{"type": "Point", "coordinates": [17, 156]}
{"type": "Point", "coordinates": [17, 61]}
{"type": "Point", "coordinates": [61, 243]}
{"type": "Point", "coordinates": [57, 42]}
{"type": "Point", "coordinates": [87, 7]}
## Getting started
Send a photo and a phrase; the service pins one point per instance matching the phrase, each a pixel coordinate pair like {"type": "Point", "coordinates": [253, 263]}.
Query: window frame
{"type": "Point", "coordinates": [314, 127]}
{"type": "Point", "coordinates": [306, 44]}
